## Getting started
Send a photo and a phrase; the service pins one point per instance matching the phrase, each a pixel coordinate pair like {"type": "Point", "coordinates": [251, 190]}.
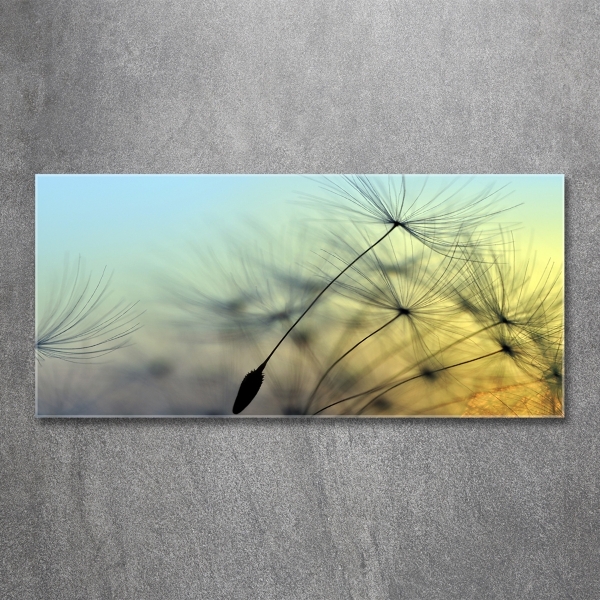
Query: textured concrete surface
{"type": "Point", "coordinates": [299, 509]}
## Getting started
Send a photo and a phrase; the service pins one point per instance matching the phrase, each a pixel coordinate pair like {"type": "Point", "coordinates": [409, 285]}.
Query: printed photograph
{"type": "Point", "coordinates": [299, 296]}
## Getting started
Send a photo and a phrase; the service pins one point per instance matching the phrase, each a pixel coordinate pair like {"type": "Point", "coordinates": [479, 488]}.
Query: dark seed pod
{"type": "Point", "coordinates": [248, 389]}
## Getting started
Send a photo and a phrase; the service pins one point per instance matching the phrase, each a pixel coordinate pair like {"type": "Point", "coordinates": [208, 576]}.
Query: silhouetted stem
{"type": "Point", "coordinates": [369, 367]}
{"type": "Point", "coordinates": [310, 400]}
{"type": "Point", "coordinates": [324, 290]}
{"type": "Point", "coordinates": [253, 380]}
{"type": "Point", "coordinates": [465, 362]}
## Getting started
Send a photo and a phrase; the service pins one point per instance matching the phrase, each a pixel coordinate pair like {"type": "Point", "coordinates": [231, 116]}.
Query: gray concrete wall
{"type": "Point", "coordinates": [299, 509]}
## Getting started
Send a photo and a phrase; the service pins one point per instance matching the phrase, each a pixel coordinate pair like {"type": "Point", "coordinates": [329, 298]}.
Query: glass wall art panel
{"type": "Point", "coordinates": [299, 295]}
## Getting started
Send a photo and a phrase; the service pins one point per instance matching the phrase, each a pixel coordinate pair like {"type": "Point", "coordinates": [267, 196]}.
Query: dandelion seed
{"type": "Point", "coordinates": [518, 349]}
{"type": "Point", "coordinates": [429, 374]}
{"type": "Point", "coordinates": [78, 325]}
{"type": "Point", "coordinates": [423, 291]}
{"type": "Point", "coordinates": [551, 364]}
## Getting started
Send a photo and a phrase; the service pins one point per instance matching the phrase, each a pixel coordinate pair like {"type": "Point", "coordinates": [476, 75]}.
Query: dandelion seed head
{"type": "Point", "coordinates": [504, 291]}
{"type": "Point", "coordinates": [433, 215]}
{"type": "Point", "coordinates": [382, 404]}
{"type": "Point", "coordinates": [429, 374]}
{"type": "Point", "coordinates": [507, 349]}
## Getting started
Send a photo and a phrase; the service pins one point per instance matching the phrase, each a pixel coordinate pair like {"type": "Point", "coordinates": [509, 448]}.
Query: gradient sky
{"type": "Point", "coordinates": [140, 226]}
{"type": "Point", "coordinates": [122, 218]}
{"type": "Point", "coordinates": [130, 222]}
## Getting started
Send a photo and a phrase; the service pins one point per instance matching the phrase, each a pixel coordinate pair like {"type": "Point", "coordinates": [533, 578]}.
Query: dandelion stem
{"type": "Point", "coordinates": [331, 367]}
{"type": "Point", "coordinates": [326, 288]}
{"type": "Point", "coordinates": [253, 380]}
{"type": "Point", "coordinates": [369, 367]}
{"type": "Point", "coordinates": [465, 362]}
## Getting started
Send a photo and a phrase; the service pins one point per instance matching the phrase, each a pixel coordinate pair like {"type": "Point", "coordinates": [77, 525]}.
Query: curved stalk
{"type": "Point", "coordinates": [325, 289]}
{"type": "Point", "coordinates": [332, 366]}
{"type": "Point", "coordinates": [253, 380]}
{"type": "Point", "coordinates": [465, 362]}
{"type": "Point", "coordinates": [436, 353]}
